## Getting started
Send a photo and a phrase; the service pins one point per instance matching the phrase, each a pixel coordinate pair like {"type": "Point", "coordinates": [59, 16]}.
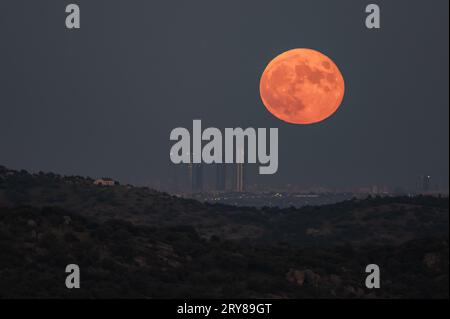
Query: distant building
{"type": "Point", "coordinates": [240, 177]}
{"type": "Point", "coordinates": [221, 173]}
{"type": "Point", "coordinates": [424, 183]}
{"type": "Point", "coordinates": [375, 190]}
{"type": "Point", "coordinates": [105, 182]}
{"type": "Point", "coordinates": [196, 174]}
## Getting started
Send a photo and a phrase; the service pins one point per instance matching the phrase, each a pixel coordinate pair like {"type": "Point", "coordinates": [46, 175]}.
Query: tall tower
{"type": "Point", "coordinates": [197, 177]}
{"type": "Point", "coordinates": [221, 173]}
{"type": "Point", "coordinates": [424, 183]}
{"type": "Point", "coordinates": [190, 177]}
{"type": "Point", "coordinates": [240, 172]}
{"type": "Point", "coordinates": [240, 177]}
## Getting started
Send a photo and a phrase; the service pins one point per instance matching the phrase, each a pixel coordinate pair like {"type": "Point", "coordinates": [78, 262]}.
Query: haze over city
{"type": "Point", "coordinates": [115, 89]}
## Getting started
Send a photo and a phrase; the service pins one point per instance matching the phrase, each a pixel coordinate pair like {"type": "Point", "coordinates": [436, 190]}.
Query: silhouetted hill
{"type": "Point", "coordinates": [383, 220]}
{"type": "Point", "coordinates": [136, 242]}
{"type": "Point", "coordinates": [118, 259]}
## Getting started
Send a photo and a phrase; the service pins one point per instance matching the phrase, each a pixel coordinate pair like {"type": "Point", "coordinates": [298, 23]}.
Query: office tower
{"type": "Point", "coordinates": [190, 174]}
{"type": "Point", "coordinates": [239, 173]}
{"type": "Point", "coordinates": [240, 177]}
{"type": "Point", "coordinates": [427, 183]}
{"type": "Point", "coordinates": [424, 183]}
{"type": "Point", "coordinates": [221, 171]}
{"type": "Point", "coordinates": [196, 173]}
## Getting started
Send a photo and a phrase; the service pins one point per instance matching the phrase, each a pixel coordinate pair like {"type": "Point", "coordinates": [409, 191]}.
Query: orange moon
{"type": "Point", "coordinates": [302, 86]}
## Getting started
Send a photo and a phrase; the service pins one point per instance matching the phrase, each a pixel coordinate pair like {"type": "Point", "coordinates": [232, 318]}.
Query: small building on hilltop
{"type": "Point", "coordinates": [105, 182]}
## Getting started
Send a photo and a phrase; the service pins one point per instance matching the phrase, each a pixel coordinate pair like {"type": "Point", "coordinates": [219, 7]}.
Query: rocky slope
{"type": "Point", "coordinates": [135, 242]}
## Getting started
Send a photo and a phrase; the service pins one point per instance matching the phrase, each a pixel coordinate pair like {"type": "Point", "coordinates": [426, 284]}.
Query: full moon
{"type": "Point", "coordinates": [302, 86]}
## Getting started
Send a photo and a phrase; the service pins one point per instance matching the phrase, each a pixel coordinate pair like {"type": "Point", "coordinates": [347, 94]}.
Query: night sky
{"type": "Point", "coordinates": [102, 100]}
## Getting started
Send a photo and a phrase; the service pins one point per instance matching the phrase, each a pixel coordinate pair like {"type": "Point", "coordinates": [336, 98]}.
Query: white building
{"type": "Point", "coordinates": [105, 182]}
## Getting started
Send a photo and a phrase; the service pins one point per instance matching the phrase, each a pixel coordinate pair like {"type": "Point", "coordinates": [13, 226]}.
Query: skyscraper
{"type": "Point", "coordinates": [240, 171]}
{"type": "Point", "coordinates": [221, 171]}
{"type": "Point", "coordinates": [190, 176]}
{"type": "Point", "coordinates": [196, 177]}
{"type": "Point", "coordinates": [240, 177]}
{"type": "Point", "coordinates": [424, 183]}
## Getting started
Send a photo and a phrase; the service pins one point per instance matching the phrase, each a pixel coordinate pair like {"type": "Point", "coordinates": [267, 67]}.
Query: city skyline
{"type": "Point", "coordinates": [113, 112]}
{"type": "Point", "coordinates": [234, 177]}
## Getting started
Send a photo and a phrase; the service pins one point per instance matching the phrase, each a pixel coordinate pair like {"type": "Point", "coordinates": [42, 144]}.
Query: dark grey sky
{"type": "Point", "coordinates": [101, 101]}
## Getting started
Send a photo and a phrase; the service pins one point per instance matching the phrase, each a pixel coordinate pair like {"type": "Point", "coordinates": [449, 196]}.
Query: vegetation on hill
{"type": "Point", "coordinates": [389, 220]}
{"type": "Point", "coordinates": [135, 242]}
{"type": "Point", "coordinates": [122, 260]}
